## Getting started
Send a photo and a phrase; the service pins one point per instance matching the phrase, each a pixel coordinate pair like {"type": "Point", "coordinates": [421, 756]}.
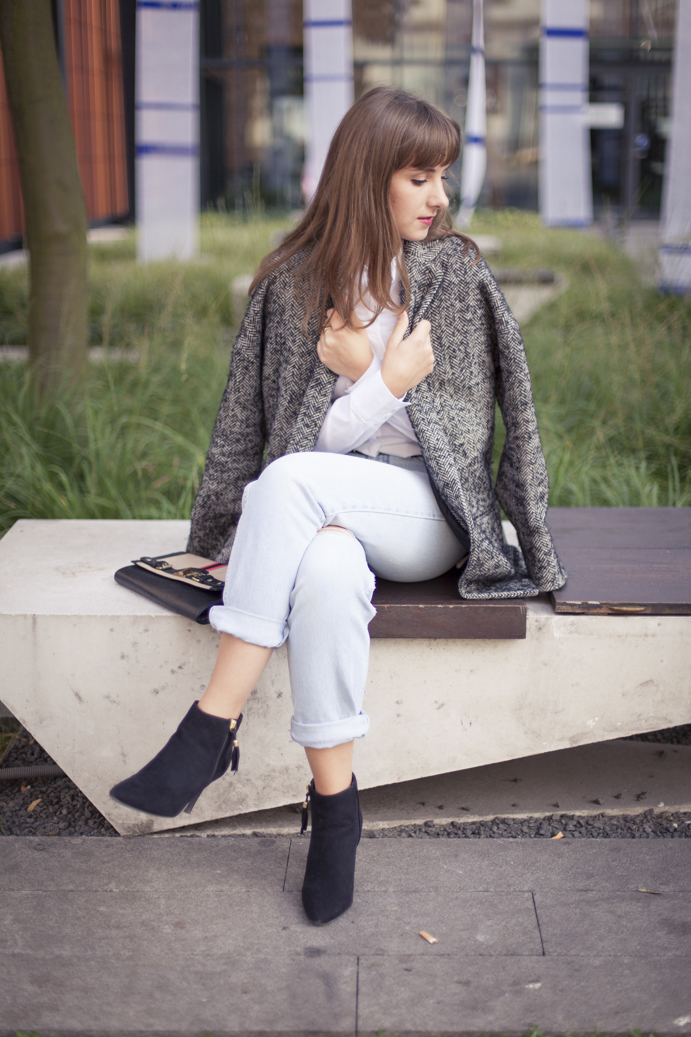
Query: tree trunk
{"type": "Point", "coordinates": [54, 206]}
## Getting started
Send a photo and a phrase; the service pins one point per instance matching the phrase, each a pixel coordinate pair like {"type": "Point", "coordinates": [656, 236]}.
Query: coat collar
{"type": "Point", "coordinates": [426, 272]}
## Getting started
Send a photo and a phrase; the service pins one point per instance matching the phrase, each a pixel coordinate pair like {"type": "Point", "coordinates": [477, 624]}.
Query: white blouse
{"type": "Point", "coordinates": [365, 415]}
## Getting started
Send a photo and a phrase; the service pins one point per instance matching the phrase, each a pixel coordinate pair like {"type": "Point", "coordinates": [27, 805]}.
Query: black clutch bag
{"type": "Point", "coordinates": [179, 582]}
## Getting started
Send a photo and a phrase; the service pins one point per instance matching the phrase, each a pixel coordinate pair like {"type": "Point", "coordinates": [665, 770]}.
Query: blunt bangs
{"type": "Point", "coordinates": [437, 142]}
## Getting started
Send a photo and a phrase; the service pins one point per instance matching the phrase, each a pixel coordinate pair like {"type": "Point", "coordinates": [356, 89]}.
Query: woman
{"type": "Point", "coordinates": [374, 334]}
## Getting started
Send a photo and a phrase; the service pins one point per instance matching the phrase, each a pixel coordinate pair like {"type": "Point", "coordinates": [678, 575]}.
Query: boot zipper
{"type": "Point", "coordinates": [235, 754]}
{"type": "Point", "coordinates": [305, 810]}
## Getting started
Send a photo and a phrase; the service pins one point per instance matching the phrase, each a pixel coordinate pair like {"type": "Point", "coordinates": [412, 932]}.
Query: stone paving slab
{"type": "Point", "coordinates": [618, 865]}
{"type": "Point", "coordinates": [122, 995]}
{"type": "Point", "coordinates": [615, 924]}
{"type": "Point", "coordinates": [90, 864]}
{"type": "Point", "coordinates": [424, 997]}
{"type": "Point", "coordinates": [530, 933]}
{"type": "Point", "coordinates": [189, 923]}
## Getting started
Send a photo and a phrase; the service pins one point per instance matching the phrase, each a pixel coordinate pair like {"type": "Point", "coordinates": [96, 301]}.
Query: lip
{"type": "Point", "coordinates": [427, 220]}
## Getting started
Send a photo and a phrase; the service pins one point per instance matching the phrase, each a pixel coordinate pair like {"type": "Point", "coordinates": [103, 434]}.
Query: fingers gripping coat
{"type": "Point", "coordinates": [278, 392]}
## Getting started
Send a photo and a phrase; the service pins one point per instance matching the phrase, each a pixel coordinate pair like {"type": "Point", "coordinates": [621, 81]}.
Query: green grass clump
{"type": "Point", "coordinates": [610, 360]}
{"type": "Point", "coordinates": [132, 443]}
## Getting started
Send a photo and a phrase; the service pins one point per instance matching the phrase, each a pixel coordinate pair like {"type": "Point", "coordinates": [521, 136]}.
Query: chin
{"type": "Point", "coordinates": [418, 234]}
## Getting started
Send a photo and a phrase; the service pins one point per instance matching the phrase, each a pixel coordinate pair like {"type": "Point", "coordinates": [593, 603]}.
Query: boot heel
{"type": "Point", "coordinates": [192, 803]}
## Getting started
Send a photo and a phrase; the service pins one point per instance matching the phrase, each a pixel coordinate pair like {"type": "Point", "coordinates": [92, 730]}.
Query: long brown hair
{"type": "Point", "coordinates": [348, 227]}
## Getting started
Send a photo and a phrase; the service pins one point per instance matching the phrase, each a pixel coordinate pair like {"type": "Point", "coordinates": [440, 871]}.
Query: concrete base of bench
{"type": "Point", "coordinates": [101, 677]}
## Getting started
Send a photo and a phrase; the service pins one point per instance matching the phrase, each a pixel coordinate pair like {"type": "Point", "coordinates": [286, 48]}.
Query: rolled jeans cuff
{"type": "Point", "coordinates": [257, 630]}
{"type": "Point", "coordinates": [326, 736]}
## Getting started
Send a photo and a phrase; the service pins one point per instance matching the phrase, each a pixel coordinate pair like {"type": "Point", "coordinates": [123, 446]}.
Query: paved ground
{"type": "Point", "coordinates": [207, 936]}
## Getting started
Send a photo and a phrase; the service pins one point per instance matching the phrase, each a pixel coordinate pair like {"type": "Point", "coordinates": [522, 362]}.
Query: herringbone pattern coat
{"type": "Point", "coordinates": [278, 393]}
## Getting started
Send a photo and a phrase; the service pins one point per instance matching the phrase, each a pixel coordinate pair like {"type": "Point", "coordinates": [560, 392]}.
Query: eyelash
{"type": "Point", "coordinates": [419, 183]}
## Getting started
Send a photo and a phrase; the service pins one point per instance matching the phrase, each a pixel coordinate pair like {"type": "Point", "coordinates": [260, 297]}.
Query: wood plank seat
{"type": "Point", "coordinates": [624, 561]}
{"type": "Point", "coordinates": [432, 608]}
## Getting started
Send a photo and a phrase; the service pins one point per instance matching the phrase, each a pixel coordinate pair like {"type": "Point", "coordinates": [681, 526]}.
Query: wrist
{"type": "Point", "coordinates": [395, 385]}
{"type": "Point", "coordinates": [357, 371]}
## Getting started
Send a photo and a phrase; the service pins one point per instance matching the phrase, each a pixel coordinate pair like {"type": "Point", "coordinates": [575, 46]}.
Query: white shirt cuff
{"type": "Point", "coordinates": [371, 402]}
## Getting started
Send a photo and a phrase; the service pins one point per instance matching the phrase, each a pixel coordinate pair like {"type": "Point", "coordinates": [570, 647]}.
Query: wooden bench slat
{"type": "Point", "coordinates": [432, 608]}
{"type": "Point", "coordinates": [624, 561]}
{"type": "Point", "coordinates": [627, 582]}
{"type": "Point", "coordinates": [620, 527]}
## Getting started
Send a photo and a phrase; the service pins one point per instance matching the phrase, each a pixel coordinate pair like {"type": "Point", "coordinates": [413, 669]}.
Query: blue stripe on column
{"type": "Point", "coordinates": [328, 23]}
{"type": "Point", "coordinates": [675, 287]}
{"type": "Point", "coordinates": [475, 140]}
{"type": "Point", "coordinates": [165, 106]}
{"type": "Point", "coordinates": [681, 250]}
{"type": "Point", "coordinates": [563, 86]}
{"type": "Point", "coordinates": [563, 32]}
{"type": "Point", "coordinates": [477, 50]}
{"type": "Point", "coordinates": [561, 109]}
{"type": "Point", "coordinates": [336, 23]}
{"type": "Point", "coordinates": [170, 5]}
{"type": "Point", "coordinates": [168, 150]}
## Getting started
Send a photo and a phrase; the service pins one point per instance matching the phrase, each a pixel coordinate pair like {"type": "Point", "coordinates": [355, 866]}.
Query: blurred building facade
{"type": "Point", "coordinates": [252, 113]}
{"type": "Point", "coordinates": [253, 127]}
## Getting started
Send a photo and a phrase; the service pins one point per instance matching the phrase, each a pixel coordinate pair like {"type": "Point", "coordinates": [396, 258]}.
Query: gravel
{"type": "Point", "coordinates": [668, 736]}
{"type": "Point", "coordinates": [649, 825]}
{"type": "Point", "coordinates": [61, 809]}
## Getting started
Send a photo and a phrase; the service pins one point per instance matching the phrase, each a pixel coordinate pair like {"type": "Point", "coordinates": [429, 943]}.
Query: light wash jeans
{"type": "Point", "coordinates": [288, 580]}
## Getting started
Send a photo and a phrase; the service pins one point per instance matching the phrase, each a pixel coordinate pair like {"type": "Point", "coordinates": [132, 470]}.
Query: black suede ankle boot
{"type": "Point", "coordinates": [201, 750]}
{"type": "Point", "coordinates": [327, 890]}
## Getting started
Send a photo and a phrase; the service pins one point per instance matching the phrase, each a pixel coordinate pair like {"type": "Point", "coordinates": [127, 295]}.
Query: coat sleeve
{"type": "Point", "coordinates": [237, 443]}
{"type": "Point", "coordinates": [522, 486]}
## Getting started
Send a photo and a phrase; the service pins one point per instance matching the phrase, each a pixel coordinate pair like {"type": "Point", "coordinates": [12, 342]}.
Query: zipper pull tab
{"type": "Point", "coordinates": [305, 811]}
{"type": "Point", "coordinates": [235, 752]}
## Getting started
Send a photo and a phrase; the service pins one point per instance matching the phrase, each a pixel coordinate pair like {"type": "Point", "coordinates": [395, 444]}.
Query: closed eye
{"type": "Point", "coordinates": [419, 183]}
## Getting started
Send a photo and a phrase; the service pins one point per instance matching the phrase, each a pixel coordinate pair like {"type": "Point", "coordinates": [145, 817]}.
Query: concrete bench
{"type": "Point", "coordinates": [101, 676]}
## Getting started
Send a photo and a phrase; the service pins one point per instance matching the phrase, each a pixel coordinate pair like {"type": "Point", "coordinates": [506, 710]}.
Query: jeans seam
{"type": "Point", "coordinates": [359, 509]}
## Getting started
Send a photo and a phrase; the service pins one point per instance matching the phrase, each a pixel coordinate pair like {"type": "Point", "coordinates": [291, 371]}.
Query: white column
{"type": "Point", "coordinates": [565, 177]}
{"type": "Point", "coordinates": [167, 129]}
{"type": "Point", "coordinates": [474, 141]}
{"type": "Point", "coordinates": [675, 250]}
{"type": "Point", "coordinates": [328, 43]}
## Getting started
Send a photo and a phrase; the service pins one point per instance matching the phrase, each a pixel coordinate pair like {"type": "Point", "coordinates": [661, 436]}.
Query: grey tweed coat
{"type": "Point", "coordinates": [278, 393]}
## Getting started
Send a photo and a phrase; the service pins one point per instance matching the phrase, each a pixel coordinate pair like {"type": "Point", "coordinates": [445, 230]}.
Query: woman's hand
{"type": "Point", "coordinates": [407, 360]}
{"type": "Point", "coordinates": [345, 351]}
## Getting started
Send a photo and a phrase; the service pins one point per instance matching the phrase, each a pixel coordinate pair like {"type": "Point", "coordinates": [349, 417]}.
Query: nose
{"type": "Point", "coordinates": [438, 198]}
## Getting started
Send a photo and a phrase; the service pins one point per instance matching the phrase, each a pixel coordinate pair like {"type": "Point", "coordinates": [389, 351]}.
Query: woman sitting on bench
{"type": "Point", "coordinates": [354, 440]}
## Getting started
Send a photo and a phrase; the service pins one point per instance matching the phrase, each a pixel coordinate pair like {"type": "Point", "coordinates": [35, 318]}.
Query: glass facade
{"type": "Point", "coordinates": [253, 126]}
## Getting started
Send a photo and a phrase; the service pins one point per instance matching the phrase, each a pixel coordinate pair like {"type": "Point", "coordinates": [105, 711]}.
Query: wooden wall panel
{"type": "Point", "coordinates": [93, 64]}
{"type": "Point", "coordinates": [93, 71]}
{"type": "Point", "coordinates": [11, 207]}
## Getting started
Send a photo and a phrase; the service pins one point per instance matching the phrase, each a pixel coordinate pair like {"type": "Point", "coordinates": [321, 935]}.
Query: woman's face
{"type": "Point", "coordinates": [416, 196]}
